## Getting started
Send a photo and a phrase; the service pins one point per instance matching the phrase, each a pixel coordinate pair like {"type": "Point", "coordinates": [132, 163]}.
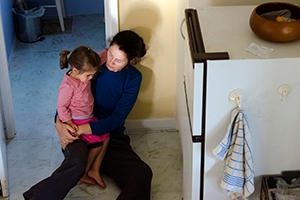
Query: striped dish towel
{"type": "Point", "coordinates": [238, 177]}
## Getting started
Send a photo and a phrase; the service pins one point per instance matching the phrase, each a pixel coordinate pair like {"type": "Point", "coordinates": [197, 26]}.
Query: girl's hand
{"type": "Point", "coordinates": [74, 126]}
{"type": "Point", "coordinates": [66, 133]}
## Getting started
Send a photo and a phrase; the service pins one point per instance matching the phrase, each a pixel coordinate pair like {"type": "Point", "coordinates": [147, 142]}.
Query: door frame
{"type": "Point", "coordinates": [6, 103]}
{"type": "Point", "coordinates": [7, 124]}
{"type": "Point", "coordinates": [111, 15]}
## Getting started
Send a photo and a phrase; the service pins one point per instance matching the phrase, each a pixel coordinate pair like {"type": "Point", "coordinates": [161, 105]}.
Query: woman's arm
{"type": "Point", "coordinates": [66, 133]}
{"type": "Point", "coordinates": [85, 128]}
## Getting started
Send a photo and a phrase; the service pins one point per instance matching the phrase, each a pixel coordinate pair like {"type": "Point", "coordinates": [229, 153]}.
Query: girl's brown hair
{"type": "Point", "coordinates": [82, 58]}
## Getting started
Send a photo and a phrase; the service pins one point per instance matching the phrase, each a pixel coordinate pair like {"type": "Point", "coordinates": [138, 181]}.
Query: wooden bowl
{"type": "Point", "coordinates": [272, 30]}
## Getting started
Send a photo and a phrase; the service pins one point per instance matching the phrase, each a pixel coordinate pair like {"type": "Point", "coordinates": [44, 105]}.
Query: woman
{"type": "Point", "coordinates": [115, 89]}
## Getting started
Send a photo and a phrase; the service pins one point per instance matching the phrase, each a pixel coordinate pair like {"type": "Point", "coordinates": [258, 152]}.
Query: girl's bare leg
{"type": "Point", "coordinates": [92, 155]}
{"type": "Point", "coordinates": [94, 171]}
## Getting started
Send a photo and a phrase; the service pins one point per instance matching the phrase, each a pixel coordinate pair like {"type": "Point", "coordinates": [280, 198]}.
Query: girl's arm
{"type": "Point", "coordinates": [71, 123]}
{"type": "Point", "coordinates": [63, 101]}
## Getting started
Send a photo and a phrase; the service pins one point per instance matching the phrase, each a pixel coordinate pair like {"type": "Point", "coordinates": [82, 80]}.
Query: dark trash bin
{"type": "Point", "coordinates": [28, 21]}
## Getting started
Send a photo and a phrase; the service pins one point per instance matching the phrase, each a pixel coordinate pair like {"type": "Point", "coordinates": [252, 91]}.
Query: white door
{"type": "Point", "coordinates": [6, 113]}
{"type": "Point", "coordinates": [273, 122]}
{"type": "Point", "coordinates": [111, 11]}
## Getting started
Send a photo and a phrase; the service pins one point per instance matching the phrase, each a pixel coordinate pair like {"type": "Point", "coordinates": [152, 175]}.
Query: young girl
{"type": "Point", "coordinates": [76, 103]}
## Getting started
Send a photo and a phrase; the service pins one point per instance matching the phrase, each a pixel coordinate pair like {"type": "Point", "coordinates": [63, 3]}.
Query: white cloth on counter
{"type": "Point", "coordinates": [261, 51]}
{"type": "Point", "coordinates": [238, 177]}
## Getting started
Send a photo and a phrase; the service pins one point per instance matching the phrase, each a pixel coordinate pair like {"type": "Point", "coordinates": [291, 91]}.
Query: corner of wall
{"type": "Point", "coordinates": [151, 124]}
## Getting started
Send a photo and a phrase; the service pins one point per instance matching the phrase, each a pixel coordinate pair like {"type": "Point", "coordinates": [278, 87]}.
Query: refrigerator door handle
{"type": "Point", "coordinates": [196, 43]}
{"type": "Point", "coordinates": [195, 138]}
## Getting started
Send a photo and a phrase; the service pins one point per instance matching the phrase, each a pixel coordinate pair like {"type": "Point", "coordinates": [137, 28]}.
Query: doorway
{"type": "Point", "coordinates": [8, 129]}
{"type": "Point", "coordinates": [111, 13]}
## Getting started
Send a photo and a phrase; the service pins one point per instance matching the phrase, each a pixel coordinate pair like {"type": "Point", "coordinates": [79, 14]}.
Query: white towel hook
{"type": "Point", "coordinates": [284, 90]}
{"type": "Point", "coordinates": [236, 97]}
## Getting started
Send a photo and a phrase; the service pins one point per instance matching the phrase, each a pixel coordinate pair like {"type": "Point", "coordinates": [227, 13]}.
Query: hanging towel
{"type": "Point", "coordinates": [238, 175]}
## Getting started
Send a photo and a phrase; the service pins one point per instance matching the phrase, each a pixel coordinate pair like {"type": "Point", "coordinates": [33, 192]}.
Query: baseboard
{"type": "Point", "coordinates": [151, 124]}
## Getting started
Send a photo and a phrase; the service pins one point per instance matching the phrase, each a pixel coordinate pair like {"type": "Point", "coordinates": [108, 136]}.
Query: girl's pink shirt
{"type": "Point", "coordinates": [74, 99]}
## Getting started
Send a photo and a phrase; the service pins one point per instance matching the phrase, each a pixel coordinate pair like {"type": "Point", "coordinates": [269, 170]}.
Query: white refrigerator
{"type": "Point", "coordinates": [217, 66]}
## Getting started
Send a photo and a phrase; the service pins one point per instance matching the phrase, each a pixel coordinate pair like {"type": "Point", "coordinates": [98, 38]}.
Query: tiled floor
{"type": "Point", "coordinates": [35, 152]}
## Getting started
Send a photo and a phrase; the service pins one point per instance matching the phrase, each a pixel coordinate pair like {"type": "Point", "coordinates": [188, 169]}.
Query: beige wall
{"type": "Point", "coordinates": [158, 22]}
{"type": "Point", "coordinates": [154, 20]}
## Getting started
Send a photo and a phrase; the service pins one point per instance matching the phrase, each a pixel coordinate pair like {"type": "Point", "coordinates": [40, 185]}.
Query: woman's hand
{"type": "Point", "coordinates": [66, 133]}
{"type": "Point", "coordinates": [84, 129]}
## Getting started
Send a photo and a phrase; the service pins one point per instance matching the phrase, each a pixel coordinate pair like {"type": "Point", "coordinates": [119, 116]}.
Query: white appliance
{"type": "Point", "coordinates": [216, 64]}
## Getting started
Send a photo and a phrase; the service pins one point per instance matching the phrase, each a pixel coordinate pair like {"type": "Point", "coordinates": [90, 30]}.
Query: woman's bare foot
{"type": "Point", "coordinates": [96, 176]}
{"type": "Point", "coordinates": [88, 180]}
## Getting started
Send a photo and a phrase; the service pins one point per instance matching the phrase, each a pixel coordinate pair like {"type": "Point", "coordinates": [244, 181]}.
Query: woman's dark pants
{"type": "Point", "coordinates": [121, 163]}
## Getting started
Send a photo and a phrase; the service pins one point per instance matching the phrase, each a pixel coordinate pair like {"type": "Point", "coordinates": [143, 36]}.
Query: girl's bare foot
{"type": "Point", "coordinates": [96, 176]}
{"type": "Point", "coordinates": [88, 180]}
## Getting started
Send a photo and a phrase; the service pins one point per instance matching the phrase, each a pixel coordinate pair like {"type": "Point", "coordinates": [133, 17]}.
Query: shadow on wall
{"type": "Point", "coordinates": [143, 18]}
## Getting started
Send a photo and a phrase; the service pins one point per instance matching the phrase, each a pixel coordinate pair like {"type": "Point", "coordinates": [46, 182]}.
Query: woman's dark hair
{"type": "Point", "coordinates": [130, 43]}
{"type": "Point", "coordinates": [82, 58]}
